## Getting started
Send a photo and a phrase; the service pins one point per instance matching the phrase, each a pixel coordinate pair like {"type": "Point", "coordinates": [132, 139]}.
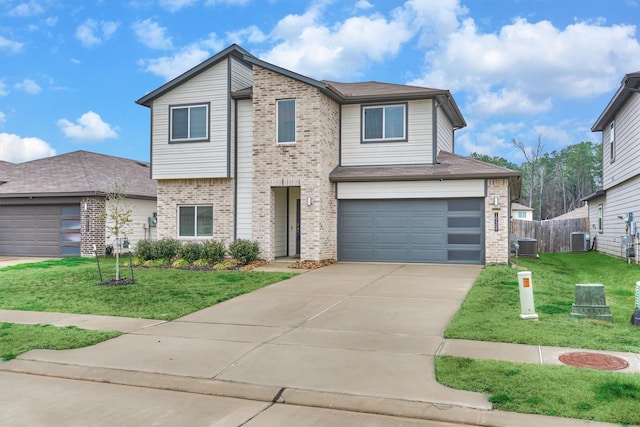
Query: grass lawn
{"type": "Point", "coordinates": [70, 286]}
{"type": "Point", "coordinates": [491, 312]}
{"type": "Point", "coordinates": [16, 339]}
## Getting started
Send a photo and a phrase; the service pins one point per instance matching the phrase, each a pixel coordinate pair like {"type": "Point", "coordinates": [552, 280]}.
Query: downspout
{"type": "Point", "coordinates": [228, 117]}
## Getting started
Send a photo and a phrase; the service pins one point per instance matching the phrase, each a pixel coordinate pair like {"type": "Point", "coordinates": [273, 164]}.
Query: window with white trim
{"type": "Point", "coordinates": [384, 123]}
{"type": "Point", "coordinates": [286, 120]}
{"type": "Point", "coordinates": [188, 123]}
{"type": "Point", "coordinates": [195, 221]}
{"type": "Point", "coordinates": [522, 215]}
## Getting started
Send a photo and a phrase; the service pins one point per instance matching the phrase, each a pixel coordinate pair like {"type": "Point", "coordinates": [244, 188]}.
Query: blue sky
{"type": "Point", "coordinates": [70, 71]}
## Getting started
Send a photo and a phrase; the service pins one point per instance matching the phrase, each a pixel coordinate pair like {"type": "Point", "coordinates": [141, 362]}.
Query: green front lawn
{"type": "Point", "coordinates": [70, 286]}
{"type": "Point", "coordinates": [16, 339]}
{"type": "Point", "coordinates": [491, 312]}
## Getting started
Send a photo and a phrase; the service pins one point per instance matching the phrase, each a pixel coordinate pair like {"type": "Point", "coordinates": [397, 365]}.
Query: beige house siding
{"type": "Point", "coordinates": [627, 145]}
{"type": "Point", "coordinates": [241, 75]}
{"type": "Point", "coordinates": [497, 242]}
{"type": "Point", "coordinates": [182, 192]}
{"type": "Point", "coordinates": [444, 132]}
{"type": "Point", "coordinates": [244, 185]}
{"type": "Point", "coordinates": [411, 189]}
{"type": "Point", "coordinates": [139, 228]}
{"type": "Point", "coordinates": [305, 164]}
{"type": "Point", "coordinates": [418, 149]}
{"type": "Point", "coordinates": [193, 159]}
{"type": "Point", "coordinates": [619, 201]}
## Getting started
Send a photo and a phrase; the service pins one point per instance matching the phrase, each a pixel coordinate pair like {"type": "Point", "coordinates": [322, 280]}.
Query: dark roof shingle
{"type": "Point", "coordinates": [76, 173]}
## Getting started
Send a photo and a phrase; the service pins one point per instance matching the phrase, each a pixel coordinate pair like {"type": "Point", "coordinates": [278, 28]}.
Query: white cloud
{"type": "Point", "coordinates": [3, 91]}
{"type": "Point", "coordinates": [89, 127]}
{"type": "Point", "coordinates": [252, 34]}
{"type": "Point", "coordinates": [3, 118]}
{"type": "Point", "coordinates": [176, 5]}
{"type": "Point", "coordinates": [10, 45]}
{"type": "Point", "coordinates": [92, 33]}
{"type": "Point", "coordinates": [26, 9]}
{"type": "Point", "coordinates": [185, 59]}
{"type": "Point", "coordinates": [152, 35]}
{"type": "Point", "coordinates": [309, 47]}
{"type": "Point", "coordinates": [536, 60]}
{"type": "Point", "coordinates": [363, 4]}
{"type": "Point", "coordinates": [493, 140]}
{"type": "Point", "coordinates": [16, 149]}
{"type": "Point", "coordinates": [29, 86]}
{"type": "Point", "coordinates": [507, 102]}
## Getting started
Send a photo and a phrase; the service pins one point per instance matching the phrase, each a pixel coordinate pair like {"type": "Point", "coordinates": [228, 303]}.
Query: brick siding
{"type": "Point", "coordinates": [92, 225]}
{"type": "Point", "coordinates": [497, 242]}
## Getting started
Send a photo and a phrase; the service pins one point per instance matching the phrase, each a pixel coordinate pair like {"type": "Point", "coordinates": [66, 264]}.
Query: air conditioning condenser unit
{"type": "Point", "coordinates": [579, 241]}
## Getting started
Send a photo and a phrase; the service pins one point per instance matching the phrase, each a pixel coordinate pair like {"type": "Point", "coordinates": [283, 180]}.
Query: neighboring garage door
{"type": "Point", "coordinates": [40, 230]}
{"type": "Point", "coordinates": [414, 230]}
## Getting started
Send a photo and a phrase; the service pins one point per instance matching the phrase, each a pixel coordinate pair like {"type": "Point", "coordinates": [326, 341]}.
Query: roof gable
{"type": "Point", "coordinates": [234, 50]}
{"type": "Point", "coordinates": [629, 86]}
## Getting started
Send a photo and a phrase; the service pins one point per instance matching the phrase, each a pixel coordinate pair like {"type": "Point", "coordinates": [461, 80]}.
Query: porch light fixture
{"type": "Point", "coordinates": [496, 200]}
{"type": "Point", "coordinates": [309, 201]}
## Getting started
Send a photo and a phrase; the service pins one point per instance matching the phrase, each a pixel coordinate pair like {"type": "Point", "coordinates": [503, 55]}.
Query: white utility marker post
{"type": "Point", "coordinates": [527, 308]}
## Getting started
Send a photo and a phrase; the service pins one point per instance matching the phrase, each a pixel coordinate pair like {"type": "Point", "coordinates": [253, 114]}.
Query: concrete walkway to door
{"type": "Point", "coordinates": [346, 335]}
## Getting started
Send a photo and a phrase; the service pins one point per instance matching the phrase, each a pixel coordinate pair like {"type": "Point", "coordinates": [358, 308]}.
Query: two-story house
{"type": "Point", "coordinates": [609, 208]}
{"type": "Point", "coordinates": [241, 148]}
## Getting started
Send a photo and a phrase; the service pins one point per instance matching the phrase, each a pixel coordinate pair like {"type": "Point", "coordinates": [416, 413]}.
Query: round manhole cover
{"type": "Point", "coordinates": [594, 361]}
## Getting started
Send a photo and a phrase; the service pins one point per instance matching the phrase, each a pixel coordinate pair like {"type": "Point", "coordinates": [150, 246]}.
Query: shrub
{"type": "Point", "coordinates": [166, 248]}
{"type": "Point", "coordinates": [201, 263]}
{"type": "Point", "coordinates": [213, 251]}
{"type": "Point", "coordinates": [180, 263]}
{"type": "Point", "coordinates": [244, 250]}
{"type": "Point", "coordinates": [145, 249]}
{"type": "Point", "coordinates": [190, 251]}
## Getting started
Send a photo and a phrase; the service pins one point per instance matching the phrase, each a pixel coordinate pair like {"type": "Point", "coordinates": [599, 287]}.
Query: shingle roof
{"type": "Point", "coordinates": [449, 166]}
{"type": "Point", "coordinates": [372, 89]}
{"type": "Point", "coordinates": [77, 173]}
{"type": "Point", "coordinates": [519, 207]}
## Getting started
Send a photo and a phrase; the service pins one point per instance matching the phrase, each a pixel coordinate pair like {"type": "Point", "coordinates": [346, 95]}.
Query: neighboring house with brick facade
{"type": "Point", "coordinates": [241, 148]}
{"type": "Point", "coordinates": [57, 206]}
{"type": "Point", "coordinates": [609, 208]}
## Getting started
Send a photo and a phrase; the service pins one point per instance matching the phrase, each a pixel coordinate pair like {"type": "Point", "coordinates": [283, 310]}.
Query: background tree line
{"type": "Point", "coordinates": [554, 183]}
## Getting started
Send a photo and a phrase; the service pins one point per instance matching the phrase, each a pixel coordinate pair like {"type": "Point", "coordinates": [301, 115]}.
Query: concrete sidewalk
{"type": "Point", "coordinates": [356, 337]}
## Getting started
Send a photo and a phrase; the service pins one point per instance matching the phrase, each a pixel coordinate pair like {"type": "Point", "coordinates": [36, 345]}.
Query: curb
{"type": "Point", "coordinates": [441, 412]}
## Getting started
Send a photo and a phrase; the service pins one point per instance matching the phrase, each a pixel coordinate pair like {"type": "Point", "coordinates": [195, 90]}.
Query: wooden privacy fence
{"type": "Point", "coordinates": [553, 235]}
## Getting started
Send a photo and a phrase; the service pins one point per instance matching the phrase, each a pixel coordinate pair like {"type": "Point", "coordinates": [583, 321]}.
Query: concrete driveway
{"type": "Point", "coordinates": [343, 336]}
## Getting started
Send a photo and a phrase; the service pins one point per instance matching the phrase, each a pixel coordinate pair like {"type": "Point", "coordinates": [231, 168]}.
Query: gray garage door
{"type": "Point", "coordinates": [429, 231]}
{"type": "Point", "coordinates": [40, 230]}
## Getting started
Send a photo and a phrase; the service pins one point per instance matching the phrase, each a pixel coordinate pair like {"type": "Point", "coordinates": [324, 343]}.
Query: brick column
{"type": "Point", "coordinates": [92, 225]}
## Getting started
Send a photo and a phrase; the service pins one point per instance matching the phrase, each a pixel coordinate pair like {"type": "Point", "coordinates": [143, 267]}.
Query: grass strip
{"type": "Point", "coordinates": [16, 339]}
{"type": "Point", "coordinates": [491, 310]}
{"type": "Point", "coordinates": [563, 391]}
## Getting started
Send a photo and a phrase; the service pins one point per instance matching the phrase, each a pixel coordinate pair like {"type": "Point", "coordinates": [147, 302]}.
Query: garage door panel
{"type": "Point", "coordinates": [39, 230]}
{"type": "Point", "coordinates": [391, 239]}
{"type": "Point", "coordinates": [358, 238]}
{"type": "Point", "coordinates": [412, 230]}
{"type": "Point", "coordinates": [427, 238]}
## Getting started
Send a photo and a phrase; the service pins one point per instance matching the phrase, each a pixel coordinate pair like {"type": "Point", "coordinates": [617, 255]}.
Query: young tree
{"type": "Point", "coordinates": [118, 217]}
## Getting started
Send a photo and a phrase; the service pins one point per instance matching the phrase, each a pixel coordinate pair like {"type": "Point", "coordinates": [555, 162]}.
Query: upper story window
{"type": "Point", "coordinates": [384, 123]}
{"type": "Point", "coordinates": [286, 120]}
{"type": "Point", "coordinates": [189, 123]}
{"type": "Point", "coordinates": [612, 141]}
{"type": "Point", "coordinates": [195, 221]}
